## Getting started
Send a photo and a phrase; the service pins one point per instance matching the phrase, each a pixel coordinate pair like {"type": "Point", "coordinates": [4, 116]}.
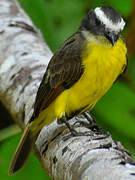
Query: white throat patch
{"type": "Point", "coordinates": [107, 22]}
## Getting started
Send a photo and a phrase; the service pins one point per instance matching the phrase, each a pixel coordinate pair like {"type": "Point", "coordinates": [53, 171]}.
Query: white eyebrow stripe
{"type": "Point", "coordinates": [107, 22]}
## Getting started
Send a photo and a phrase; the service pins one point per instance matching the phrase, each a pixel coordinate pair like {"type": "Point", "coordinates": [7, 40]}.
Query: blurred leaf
{"type": "Point", "coordinates": [125, 7]}
{"type": "Point", "coordinates": [57, 19]}
{"type": "Point", "coordinates": [9, 131]}
{"type": "Point", "coordinates": [117, 108]}
{"type": "Point", "coordinates": [115, 113]}
{"type": "Point", "coordinates": [32, 169]}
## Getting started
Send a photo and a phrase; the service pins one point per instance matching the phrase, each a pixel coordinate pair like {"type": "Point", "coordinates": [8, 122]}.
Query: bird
{"type": "Point", "coordinates": [80, 72]}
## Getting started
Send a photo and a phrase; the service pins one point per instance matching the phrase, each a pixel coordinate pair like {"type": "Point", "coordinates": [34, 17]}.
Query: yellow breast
{"type": "Point", "coordinates": [102, 65]}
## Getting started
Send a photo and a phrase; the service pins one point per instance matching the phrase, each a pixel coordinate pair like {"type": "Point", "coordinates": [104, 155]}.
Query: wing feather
{"type": "Point", "coordinates": [64, 69]}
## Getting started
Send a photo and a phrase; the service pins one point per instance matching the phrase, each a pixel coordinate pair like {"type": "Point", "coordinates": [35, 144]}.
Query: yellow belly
{"type": "Point", "coordinates": [102, 65]}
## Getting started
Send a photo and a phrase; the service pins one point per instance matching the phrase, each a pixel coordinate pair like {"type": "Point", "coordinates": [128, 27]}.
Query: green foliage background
{"type": "Point", "coordinates": [115, 112]}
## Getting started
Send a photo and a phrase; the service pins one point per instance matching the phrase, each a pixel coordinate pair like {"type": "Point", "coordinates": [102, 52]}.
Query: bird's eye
{"type": "Point", "coordinates": [98, 23]}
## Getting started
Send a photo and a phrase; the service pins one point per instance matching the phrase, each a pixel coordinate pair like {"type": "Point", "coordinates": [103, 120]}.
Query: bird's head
{"type": "Point", "coordinates": [104, 21]}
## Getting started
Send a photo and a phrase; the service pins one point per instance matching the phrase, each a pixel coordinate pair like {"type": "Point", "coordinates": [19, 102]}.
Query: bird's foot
{"type": "Point", "coordinates": [89, 118]}
{"type": "Point", "coordinates": [74, 132]}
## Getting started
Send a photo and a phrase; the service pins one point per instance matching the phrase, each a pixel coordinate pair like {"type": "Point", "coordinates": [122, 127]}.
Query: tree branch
{"type": "Point", "coordinates": [23, 60]}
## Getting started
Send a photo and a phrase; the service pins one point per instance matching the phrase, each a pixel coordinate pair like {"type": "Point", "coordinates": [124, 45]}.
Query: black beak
{"type": "Point", "coordinates": [111, 37]}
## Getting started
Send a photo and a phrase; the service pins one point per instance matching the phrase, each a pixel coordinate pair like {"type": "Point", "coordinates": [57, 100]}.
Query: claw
{"type": "Point", "coordinates": [74, 132]}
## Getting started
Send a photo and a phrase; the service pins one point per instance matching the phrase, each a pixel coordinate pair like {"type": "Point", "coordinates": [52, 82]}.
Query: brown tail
{"type": "Point", "coordinates": [22, 152]}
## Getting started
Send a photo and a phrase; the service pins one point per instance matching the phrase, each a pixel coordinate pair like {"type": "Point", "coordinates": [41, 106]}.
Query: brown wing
{"type": "Point", "coordinates": [64, 69]}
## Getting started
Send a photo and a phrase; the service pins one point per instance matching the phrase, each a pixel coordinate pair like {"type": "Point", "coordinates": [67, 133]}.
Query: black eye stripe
{"type": "Point", "coordinates": [97, 21]}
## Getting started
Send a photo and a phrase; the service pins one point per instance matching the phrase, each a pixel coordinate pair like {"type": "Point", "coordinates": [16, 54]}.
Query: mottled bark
{"type": "Point", "coordinates": [23, 60]}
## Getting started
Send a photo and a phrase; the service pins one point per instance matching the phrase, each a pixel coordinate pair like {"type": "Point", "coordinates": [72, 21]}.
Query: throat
{"type": "Point", "coordinates": [95, 39]}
